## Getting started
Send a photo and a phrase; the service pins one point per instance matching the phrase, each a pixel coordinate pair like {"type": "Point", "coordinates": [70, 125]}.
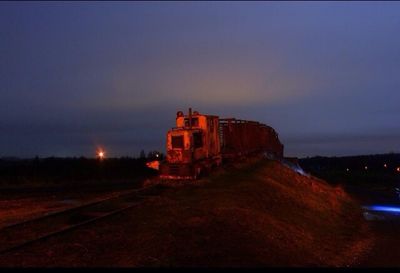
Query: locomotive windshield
{"type": "Point", "coordinates": [198, 140]}
{"type": "Point", "coordinates": [177, 142]}
{"type": "Point", "coordinates": [195, 122]}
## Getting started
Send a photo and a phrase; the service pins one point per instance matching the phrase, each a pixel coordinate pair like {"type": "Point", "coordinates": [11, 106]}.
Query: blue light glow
{"type": "Point", "coordinates": [383, 208]}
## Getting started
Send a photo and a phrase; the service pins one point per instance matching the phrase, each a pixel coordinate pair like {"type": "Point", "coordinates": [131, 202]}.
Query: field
{"type": "Point", "coordinates": [70, 172]}
{"type": "Point", "coordinates": [365, 177]}
{"type": "Point", "coordinates": [30, 188]}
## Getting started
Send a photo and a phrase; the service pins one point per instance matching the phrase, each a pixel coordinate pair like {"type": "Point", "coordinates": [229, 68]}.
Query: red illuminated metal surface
{"type": "Point", "coordinates": [205, 140]}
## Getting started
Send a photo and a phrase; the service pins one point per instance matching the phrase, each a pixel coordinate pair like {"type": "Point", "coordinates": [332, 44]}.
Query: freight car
{"type": "Point", "coordinates": [200, 142]}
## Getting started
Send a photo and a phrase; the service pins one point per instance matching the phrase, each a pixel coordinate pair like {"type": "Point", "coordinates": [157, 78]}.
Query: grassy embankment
{"type": "Point", "coordinates": [263, 214]}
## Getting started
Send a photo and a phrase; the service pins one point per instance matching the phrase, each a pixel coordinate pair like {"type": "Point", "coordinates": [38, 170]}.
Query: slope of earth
{"type": "Point", "coordinates": [261, 214]}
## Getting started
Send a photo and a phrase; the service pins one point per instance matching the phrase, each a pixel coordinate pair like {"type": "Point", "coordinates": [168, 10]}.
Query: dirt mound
{"type": "Point", "coordinates": [263, 214]}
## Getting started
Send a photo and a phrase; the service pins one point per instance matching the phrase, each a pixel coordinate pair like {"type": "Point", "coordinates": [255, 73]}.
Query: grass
{"type": "Point", "coordinates": [257, 215]}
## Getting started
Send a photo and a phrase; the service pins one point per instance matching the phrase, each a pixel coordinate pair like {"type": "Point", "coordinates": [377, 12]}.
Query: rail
{"type": "Point", "coordinates": [18, 235]}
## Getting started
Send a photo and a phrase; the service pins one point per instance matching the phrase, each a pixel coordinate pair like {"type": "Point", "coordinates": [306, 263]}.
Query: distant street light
{"type": "Point", "coordinates": [384, 165]}
{"type": "Point", "coordinates": [101, 154]}
{"type": "Point", "coordinates": [366, 167]}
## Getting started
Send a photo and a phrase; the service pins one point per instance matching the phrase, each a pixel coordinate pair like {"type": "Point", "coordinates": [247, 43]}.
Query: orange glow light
{"type": "Point", "coordinates": [101, 154]}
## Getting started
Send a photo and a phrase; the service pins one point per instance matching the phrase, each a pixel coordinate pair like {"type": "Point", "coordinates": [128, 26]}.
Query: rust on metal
{"type": "Point", "coordinates": [201, 142]}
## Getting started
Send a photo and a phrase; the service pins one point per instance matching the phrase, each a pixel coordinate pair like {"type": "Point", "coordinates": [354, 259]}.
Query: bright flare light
{"type": "Point", "coordinates": [101, 154]}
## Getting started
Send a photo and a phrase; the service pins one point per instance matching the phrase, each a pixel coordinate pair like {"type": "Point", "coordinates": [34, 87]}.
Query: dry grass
{"type": "Point", "coordinates": [265, 214]}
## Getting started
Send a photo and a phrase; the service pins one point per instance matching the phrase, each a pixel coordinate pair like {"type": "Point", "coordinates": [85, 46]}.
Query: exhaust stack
{"type": "Point", "coordinates": [190, 118]}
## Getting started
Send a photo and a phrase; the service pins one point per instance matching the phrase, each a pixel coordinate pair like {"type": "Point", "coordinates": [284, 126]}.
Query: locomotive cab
{"type": "Point", "coordinates": [192, 146]}
{"type": "Point", "coordinates": [184, 145]}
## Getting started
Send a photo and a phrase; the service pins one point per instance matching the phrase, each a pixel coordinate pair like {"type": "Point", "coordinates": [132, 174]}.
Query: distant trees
{"type": "Point", "coordinates": [155, 155]}
{"type": "Point", "coordinates": [151, 155]}
{"type": "Point", "coordinates": [72, 171]}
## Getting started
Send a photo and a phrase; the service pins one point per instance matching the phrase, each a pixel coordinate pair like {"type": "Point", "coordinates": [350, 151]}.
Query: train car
{"type": "Point", "coordinates": [242, 138]}
{"type": "Point", "coordinates": [200, 142]}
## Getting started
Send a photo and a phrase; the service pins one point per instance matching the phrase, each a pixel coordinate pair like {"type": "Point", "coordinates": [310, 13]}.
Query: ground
{"type": "Point", "coordinates": [259, 214]}
{"type": "Point", "coordinates": [384, 251]}
{"type": "Point", "coordinates": [20, 204]}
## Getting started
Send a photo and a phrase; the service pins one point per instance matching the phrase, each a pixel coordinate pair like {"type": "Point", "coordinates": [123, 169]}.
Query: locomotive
{"type": "Point", "coordinates": [201, 142]}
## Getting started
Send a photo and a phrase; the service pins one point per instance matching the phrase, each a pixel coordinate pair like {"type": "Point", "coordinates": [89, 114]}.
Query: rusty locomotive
{"type": "Point", "coordinates": [200, 142]}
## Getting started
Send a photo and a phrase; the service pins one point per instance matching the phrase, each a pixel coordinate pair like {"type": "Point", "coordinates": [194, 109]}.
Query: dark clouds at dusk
{"type": "Point", "coordinates": [79, 75]}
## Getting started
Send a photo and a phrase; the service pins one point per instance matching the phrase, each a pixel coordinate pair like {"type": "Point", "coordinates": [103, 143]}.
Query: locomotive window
{"type": "Point", "coordinates": [198, 140]}
{"type": "Point", "coordinates": [195, 122]}
{"type": "Point", "coordinates": [177, 142]}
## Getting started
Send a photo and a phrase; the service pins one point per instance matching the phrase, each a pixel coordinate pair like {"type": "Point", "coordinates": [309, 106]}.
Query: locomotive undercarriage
{"type": "Point", "coordinates": [188, 171]}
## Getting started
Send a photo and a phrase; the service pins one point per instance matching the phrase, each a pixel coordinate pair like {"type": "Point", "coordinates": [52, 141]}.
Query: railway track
{"type": "Point", "coordinates": [16, 236]}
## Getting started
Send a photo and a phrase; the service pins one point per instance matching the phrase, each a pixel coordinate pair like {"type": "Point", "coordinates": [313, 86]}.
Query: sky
{"type": "Point", "coordinates": [75, 76]}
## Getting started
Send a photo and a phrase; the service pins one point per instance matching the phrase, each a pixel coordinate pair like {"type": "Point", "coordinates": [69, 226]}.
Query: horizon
{"type": "Point", "coordinates": [138, 157]}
